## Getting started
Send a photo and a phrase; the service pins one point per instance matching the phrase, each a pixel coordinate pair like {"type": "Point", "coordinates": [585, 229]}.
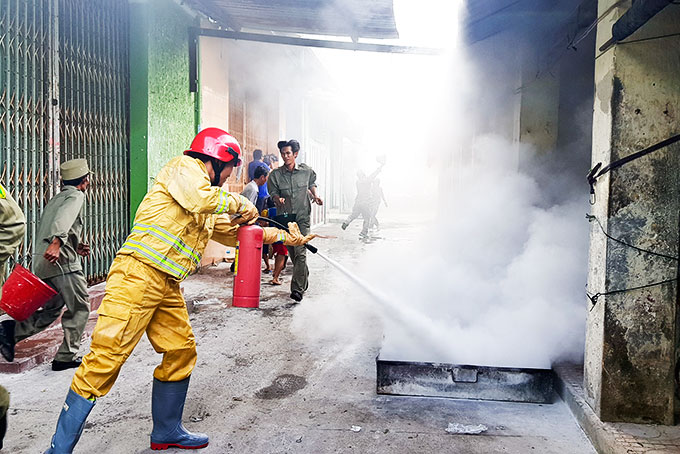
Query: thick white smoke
{"type": "Point", "coordinates": [502, 272]}
{"type": "Point", "coordinates": [497, 273]}
{"type": "Point", "coordinates": [497, 278]}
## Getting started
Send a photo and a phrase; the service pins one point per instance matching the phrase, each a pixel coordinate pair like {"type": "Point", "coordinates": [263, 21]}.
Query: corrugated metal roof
{"type": "Point", "coordinates": [354, 18]}
{"type": "Point", "coordinates": [485, 18]}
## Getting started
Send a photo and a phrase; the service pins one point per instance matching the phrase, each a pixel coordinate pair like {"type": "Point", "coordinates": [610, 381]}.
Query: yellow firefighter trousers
{"type": "Point", "coordinates": [139, 299]}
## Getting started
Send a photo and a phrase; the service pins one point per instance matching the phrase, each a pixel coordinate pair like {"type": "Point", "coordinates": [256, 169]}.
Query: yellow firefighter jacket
{"type": "Point", "coordinates": [178, 216]}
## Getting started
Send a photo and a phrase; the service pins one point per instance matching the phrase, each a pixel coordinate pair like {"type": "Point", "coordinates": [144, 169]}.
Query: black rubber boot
{"type": "Point", "coordinates": [7, 342]}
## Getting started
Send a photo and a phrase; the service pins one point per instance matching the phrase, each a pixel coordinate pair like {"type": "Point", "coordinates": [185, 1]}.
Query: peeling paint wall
{"type": "Point", "coordinates": [631, 336]}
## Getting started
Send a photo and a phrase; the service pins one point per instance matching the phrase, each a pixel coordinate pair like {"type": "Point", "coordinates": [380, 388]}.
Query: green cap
{"type": "Point", "coordinates": [74, 169]}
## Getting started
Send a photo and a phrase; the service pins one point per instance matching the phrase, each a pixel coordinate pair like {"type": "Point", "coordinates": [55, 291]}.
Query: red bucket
{"type": "Point", "coordinates": [24, 293]}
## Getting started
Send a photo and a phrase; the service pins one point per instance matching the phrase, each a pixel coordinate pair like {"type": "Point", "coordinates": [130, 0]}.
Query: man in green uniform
{"type": "Point", "coordinates": [57, 262]}
{"type": "Point", "coordinates": [12, 228]}
{"type": "Point", "coordinates": [293, 189]}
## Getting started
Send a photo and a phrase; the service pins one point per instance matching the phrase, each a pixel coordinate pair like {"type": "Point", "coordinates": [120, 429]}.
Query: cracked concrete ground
{"type": "Point", "coordinates": [287, 378]}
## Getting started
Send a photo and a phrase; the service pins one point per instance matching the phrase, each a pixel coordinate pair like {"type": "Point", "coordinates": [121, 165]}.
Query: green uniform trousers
{"type": "Point", "coordinates": [2, 274]}
{"type": "Point", "coordinates": [4, 401]}
{"type": "Point", "coordinates": [2, 281]}
{"type": "Point", "coordinates": [4, 395]}
{"type": "Point", "coordinates": [72, 289]}
{"type": "Point", "coordinates": [298, 255]}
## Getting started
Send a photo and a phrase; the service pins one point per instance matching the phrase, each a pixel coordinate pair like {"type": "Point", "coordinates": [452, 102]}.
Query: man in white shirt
{"type": "Point", "coordinates": [253, 188]}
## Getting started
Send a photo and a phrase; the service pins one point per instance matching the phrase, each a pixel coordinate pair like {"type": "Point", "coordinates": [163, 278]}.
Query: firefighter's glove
{"type": "Point", "coordinates": [294, 236]}
{"type": "Point", "coordinates": [291, 238]}
{"type": "Point", "coordinates": [247, 213]}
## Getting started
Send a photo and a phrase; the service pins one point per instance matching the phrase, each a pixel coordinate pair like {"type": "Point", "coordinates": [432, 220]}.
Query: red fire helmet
{"type": "Point", "coordinates": [218, 144]}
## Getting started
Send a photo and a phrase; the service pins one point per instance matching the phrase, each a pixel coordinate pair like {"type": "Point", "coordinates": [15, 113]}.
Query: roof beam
{"type": "Point", "coordinates": [322, 43]}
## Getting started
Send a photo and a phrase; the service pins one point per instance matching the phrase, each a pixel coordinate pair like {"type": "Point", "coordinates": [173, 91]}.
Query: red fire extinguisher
{"type": "Point", "coordinates": [248, 266]}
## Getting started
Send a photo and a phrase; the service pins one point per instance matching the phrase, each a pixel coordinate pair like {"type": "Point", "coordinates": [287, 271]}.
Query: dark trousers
{"type": "Point", "coordinates": [361, 209]}
{"type": "Point", "coordinates": [298, 255]}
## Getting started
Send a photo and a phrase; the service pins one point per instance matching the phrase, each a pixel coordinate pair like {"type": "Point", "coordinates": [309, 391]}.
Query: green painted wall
{"type": "Point", "coordinates": [162, 110]}
{"type": "Point", "coordinates": [171, 106]}
{"type": "Point", "coordinates": [139, 94]}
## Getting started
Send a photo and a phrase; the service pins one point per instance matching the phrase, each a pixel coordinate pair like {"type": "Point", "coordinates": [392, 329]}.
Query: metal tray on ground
{"type": "Point", "coordinates": [458, 381]}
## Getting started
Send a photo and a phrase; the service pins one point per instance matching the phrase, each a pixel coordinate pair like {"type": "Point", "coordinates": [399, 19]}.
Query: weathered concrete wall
{"type": "Point", "coordinates": [631, 336]}
{"type": "Point", "coordinates": [539, 107]}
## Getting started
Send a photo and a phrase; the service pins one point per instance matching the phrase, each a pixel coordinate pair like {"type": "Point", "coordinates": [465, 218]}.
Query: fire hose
{"type": "Point", "coordinates": [309, 247]}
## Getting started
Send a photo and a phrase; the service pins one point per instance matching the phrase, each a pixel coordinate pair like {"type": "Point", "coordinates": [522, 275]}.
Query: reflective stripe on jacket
{"type": "Point", "coordinates": [179, 215]}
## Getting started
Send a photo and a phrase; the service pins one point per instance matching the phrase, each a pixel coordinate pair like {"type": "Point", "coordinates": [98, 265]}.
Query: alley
{"type": "Point", "coordinates": [288, 379]}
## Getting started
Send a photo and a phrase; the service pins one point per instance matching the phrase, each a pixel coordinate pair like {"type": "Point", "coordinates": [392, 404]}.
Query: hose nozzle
{"type": "Point", "coordinates": [309, 247]}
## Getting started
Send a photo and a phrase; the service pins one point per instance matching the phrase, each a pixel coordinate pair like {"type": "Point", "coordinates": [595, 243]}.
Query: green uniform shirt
{"type": "Point", "coordinates": [12, 228]}
{"type": "Point", "coordinates": [293, 186]}
{"type": "Point", "coordinates": [61, 219]}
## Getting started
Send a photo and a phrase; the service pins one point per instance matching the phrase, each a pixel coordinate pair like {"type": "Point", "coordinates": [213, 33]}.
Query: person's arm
{"type": "Point", "coordinates": [57, 231]}
{"type": "Point", "coordinates": [291, 238]}
{"type": "Point", "coordinates": [53, 251]}
{"type": "Point", "coordinates": [190, 186]}
{"type": "Point", "coordinates": [377, 171]}
{"type": "Point", "coordinates": [83, 249]}
{"type": "Point", "coordinates": [312, 188]}
{"type": "Point", "coordinates": [225, 231]}
{"type": "Point", "coordinates": [274, 190]}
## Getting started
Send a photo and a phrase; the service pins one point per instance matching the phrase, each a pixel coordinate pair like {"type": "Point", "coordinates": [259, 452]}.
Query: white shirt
{"type": "Point", "coordinates": [250, 191]}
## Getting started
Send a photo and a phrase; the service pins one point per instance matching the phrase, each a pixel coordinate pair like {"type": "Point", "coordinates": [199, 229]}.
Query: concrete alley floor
{"type": "Point", "coordinates": [287, 379]}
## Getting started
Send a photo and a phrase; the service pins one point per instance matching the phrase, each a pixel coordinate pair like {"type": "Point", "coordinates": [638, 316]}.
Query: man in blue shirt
{"type": "Point", "coordinates": [257, 162]}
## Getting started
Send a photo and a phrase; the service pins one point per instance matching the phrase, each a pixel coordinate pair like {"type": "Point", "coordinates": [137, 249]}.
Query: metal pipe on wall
{"type": "Point", "coordinates": [638, 15]}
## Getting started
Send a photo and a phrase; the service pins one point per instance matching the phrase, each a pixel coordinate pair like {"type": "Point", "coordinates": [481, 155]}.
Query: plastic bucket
{"type": "Point", "coordinates": [24, 293]}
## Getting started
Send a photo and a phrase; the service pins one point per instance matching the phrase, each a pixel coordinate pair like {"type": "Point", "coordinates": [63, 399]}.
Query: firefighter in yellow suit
{"type": "Point", "coordinates": [183, 210]}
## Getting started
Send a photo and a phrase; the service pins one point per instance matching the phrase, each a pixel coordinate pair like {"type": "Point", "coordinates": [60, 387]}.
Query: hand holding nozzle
{"type": "Point", "coordinates": [295, 237]}
{"type": "Point", "coordinates": [291, 235]}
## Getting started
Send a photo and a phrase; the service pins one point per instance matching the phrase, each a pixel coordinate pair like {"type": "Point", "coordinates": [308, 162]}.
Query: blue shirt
{"type": "Point", "coordinates": [254, 165]}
